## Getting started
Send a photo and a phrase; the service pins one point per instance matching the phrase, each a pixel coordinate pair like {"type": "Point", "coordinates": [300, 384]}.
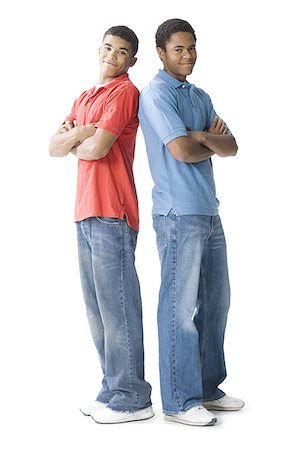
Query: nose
{"type": "Point", "coordinates": [112, 54]}
{"type": "Point", "coordinates": [186, 54]}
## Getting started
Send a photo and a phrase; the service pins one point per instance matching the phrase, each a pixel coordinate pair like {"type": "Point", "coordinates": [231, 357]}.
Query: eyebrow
{"type": "Point", "coordinates": [182, 46]}
{"type": "Point", "coordinates": [121, 48]}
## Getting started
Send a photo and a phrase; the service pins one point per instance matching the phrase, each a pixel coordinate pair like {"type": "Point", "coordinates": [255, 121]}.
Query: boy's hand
{"type": "Point", "coordinates": [85, 131]}
{"type": "Point", "coordinates": [82, 131]}
{"type": "Point", "coordinates": [218, 126]}
{"type": "Point", "coordinates": [67, 126]}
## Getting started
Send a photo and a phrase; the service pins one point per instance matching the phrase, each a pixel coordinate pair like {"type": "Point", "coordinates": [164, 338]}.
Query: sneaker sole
{"type": "Point", "coordinates": [186, 422]}
{"type": "Point", "coordinates": [146, 417]}
{"type": "Point", "coordinates": [84, 413]}
{"type": "Point", "coordinates": [217, 408]}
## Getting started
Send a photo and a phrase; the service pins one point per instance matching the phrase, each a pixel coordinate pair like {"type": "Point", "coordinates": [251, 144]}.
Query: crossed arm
{"type": "Point", "coordinates": [90, 143]}
{"type": "Point", "coordinates": [84, 141]}
{"type": "Point", "coordinates": [201, 145]}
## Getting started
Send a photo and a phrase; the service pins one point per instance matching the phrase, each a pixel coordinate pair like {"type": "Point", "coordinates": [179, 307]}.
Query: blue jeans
{"type": "Point", "coordinates": [193, 306]}
{"type": "Point", "coordinates": [113, 303]}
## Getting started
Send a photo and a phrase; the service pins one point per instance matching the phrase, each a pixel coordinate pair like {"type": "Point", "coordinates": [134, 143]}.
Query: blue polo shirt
{"type": "Point", "coordinates": [168, 109]}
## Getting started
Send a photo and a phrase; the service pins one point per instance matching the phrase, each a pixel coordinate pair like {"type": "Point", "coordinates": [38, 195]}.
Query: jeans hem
{"type": "Point", "coordinates": [213, 399]}
{"type": "Point", "coordinates": [130, 410]}
{"type": "Point", "coordinates": [173, 413]}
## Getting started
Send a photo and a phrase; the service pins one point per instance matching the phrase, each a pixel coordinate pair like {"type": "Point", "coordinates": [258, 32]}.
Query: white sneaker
{"type": "Point", "coordinates": [107, 415]}
{"type": "Point", "coordinates": [197, 415]}
{"type": "Point", "coordinates": [87, 410]}
{"type": "Point", "coordinates": [225, 403]}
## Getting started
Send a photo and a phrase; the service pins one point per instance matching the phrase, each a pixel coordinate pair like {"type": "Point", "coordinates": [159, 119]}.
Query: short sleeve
{"type": "Point", "coordinates": [73, 114]}
{"type": "Point", "coordinates": [121, 106]}
{"type": "Point", "coordinates": [161, 113]}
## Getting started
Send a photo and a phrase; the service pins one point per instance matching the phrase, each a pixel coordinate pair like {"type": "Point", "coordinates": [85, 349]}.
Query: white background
{"type": "Point", "coordinates": [249, 62]}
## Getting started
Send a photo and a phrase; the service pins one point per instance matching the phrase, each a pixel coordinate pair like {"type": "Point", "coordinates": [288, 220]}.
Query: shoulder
{"type": "Point", "coordinates": [126, 87]}
{"type": "Point", "coordinates": [83, 95]}
{"type": "Point", "coordinates": [159, 90]}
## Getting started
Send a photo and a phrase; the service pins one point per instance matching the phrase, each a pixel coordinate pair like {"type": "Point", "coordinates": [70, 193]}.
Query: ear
{"type": "Point", "coordinates": [161, 53]}
{"type": "Point", "coordinates": [132, 61]}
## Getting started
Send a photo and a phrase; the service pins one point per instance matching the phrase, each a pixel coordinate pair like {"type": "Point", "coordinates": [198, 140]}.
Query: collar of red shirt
{"type": "Point", "coordinates": [116, 80]}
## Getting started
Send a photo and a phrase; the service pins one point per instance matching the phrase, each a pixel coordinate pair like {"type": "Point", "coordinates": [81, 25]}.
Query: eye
{"type": "Point", "coordinates": [122, 52]}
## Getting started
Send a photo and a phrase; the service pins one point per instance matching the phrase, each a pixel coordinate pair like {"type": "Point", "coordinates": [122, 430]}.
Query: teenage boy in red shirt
{"type": "Point", "coordinates": [101, 131]}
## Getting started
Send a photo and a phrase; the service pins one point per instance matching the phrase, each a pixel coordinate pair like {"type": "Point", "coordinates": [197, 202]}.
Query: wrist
{"type": "Point", "coordinates": [197, 136]}
{"type": "Point", "coordinates": [202, 138]}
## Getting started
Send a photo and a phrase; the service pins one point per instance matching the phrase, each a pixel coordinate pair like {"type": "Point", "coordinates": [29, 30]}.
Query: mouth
{"type": "Point", "coordinates": [110, 64]}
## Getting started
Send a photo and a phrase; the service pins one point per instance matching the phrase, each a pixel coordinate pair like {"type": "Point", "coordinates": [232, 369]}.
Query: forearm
{"type": "Point", "coordinates": [62, 143]}
{"type": "Point", "coordinates": [88, 152]}
{"type": "Point", "coordinates": [197, 153]}
{"type": "Point", "coordinates": [188, 150]}
{"type": "Point", "coordinates": [221, 144]}
{"type": "Point", "coordinates": [95, 147]}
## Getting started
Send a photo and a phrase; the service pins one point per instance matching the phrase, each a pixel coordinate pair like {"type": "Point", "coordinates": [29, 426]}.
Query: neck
{"type": "Point", "coordinates": [179, 78]}
{"type": "Point", "coordinates": [104, 80]}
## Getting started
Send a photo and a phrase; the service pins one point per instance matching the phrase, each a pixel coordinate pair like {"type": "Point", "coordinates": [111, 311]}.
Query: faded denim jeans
{"type": "Point", "coordinates": [113, 303]}
{"type": "Point", "coordinates": [193, 306]}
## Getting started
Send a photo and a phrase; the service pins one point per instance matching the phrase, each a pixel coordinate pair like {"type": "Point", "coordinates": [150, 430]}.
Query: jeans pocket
{"type": "Point", "coordinates": [108, 220]}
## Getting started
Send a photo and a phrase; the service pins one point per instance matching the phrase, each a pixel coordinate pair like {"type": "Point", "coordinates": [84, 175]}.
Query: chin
{"type": "Point", "coordinates": [185, 74]}
{"type": "Point", "coordinates": [110, 73]}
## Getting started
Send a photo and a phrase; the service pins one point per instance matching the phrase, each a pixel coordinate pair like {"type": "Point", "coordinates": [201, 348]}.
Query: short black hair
{"type": "Point", "coordinates": [125, 33]}
{"type": "Point", "coordinates": [169, 27]}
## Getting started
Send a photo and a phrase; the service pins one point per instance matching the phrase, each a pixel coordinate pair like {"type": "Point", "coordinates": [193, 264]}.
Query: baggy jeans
{"type": "Point", "coordinates": [111, 292]}
{"type": "Point", "coordinates": [193, 305]}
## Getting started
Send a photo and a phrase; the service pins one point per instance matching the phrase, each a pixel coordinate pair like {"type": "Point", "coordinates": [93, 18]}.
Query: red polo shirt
{"type": "Point", "coordinates": [106, 187]}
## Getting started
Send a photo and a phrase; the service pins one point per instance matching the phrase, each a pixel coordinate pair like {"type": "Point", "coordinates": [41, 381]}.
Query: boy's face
{"type": "Point", "coordinates": [115, 56]}
{"type": "Point", "coordinates": [180, 56]}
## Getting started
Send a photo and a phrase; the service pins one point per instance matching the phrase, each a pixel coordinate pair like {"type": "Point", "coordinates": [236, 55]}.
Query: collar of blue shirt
{"type": "Point", "coordinates": [171, 80]}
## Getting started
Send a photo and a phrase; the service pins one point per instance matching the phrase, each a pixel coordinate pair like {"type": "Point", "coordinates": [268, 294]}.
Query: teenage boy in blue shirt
{"type": "Point", "coordinates": [182, 132]}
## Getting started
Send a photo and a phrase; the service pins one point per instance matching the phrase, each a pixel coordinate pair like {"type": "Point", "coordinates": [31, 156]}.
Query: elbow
{"type": "Point", "coordinates": [96, 152]}
{"type": "Point", "coordinates": [232, 151]}
{"type": "Point", "coordinates": [185, 158]}
{"type": "Point", "coordinates": [52, 150]}
{"type": "Point", "coordinates": [178, 150]}
{"type": "Point", "coordinates": [235, 150]}
{"type": "Point", "coordinates": [181, 158]}
{"type": "Point", "coordinates": [55, 149]}
{"type": "Point", "coordinates": [181, 155]}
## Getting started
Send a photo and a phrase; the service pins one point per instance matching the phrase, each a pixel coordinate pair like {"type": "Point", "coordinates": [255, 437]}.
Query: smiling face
{"type": "Point", "coordinates": [116, 56]}
{"type": "Point", "coordinates": [179, 56]}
